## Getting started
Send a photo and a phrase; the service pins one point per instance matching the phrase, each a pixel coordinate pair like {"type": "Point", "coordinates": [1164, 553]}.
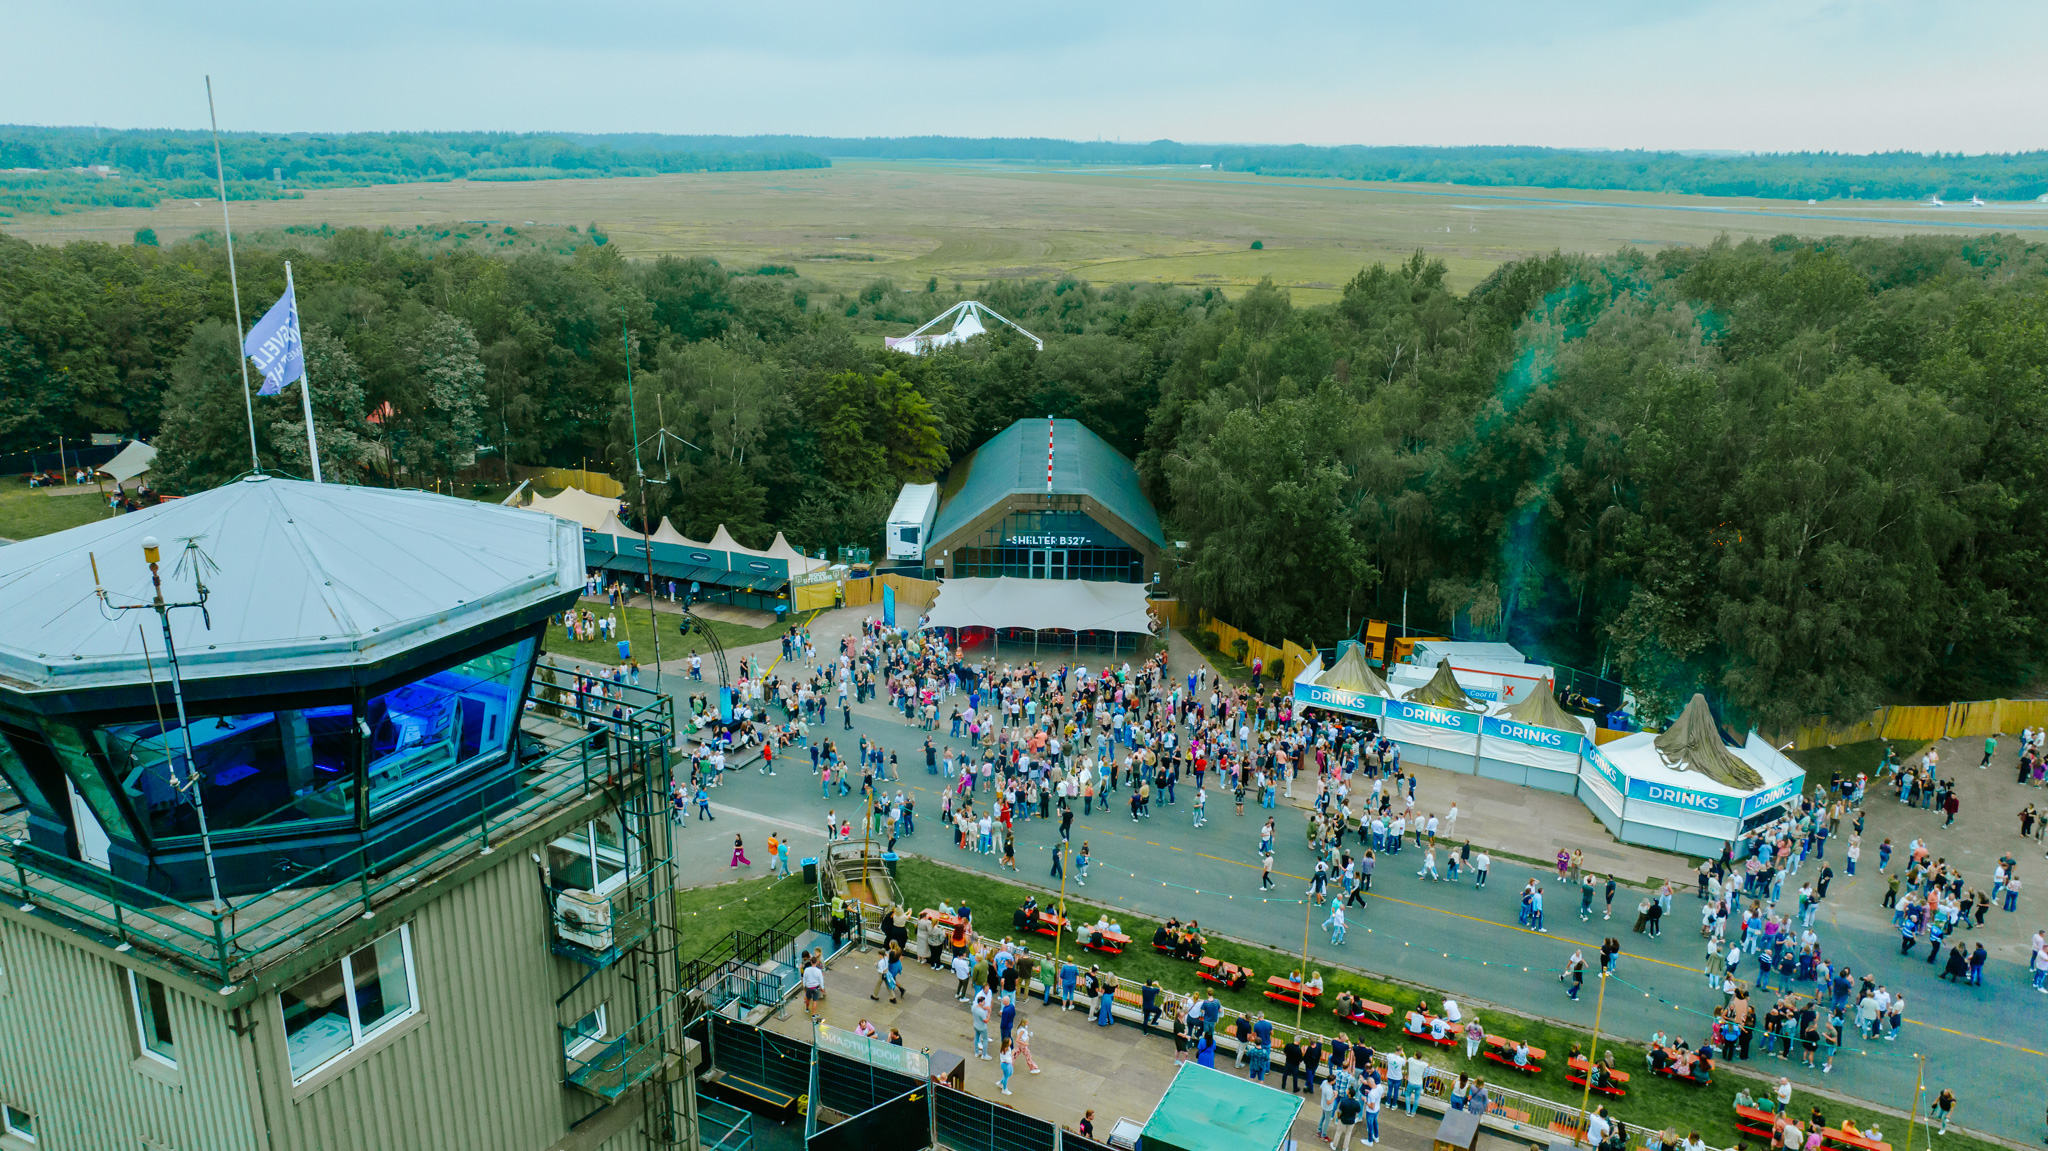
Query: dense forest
{"type": "Point", "coordinates": [45, 170]}
{"type": "Point", "coordinates": [50, 170]}
{"type": "Point", "coordinates": [1805, 476]}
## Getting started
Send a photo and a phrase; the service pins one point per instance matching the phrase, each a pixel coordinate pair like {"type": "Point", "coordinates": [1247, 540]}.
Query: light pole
{"type": "Point", "coordinates": [157, 604]}
{"type": "Point", "coordinates": [1592, 1058]}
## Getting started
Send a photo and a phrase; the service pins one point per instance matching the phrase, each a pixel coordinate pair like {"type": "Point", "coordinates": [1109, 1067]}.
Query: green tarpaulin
{"type": "Point", "coordinates": [1443, 691]}
{"type": "Point", "coordinates": [1209, 1110]}
{"type": "Point", "coordinates": [1352, 673]}
{"type": "Point", "coordinates": [1693, 743]}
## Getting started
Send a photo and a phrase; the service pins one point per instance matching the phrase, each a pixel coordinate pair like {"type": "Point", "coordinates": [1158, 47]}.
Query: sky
{"type": "Point", "coordinates": [1746, 75]}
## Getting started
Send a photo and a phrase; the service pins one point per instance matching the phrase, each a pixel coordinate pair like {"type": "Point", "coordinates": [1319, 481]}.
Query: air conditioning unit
{"type": "Point", "coordinates": [584, 918]}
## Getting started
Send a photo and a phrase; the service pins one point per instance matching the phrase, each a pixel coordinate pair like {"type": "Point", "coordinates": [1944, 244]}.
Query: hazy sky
{"type": "Point", "coordinates": [1852, 75]}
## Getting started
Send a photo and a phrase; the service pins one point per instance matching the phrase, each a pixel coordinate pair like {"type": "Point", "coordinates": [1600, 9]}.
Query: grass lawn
{"type": "Point", "coordinates": [705, 915]}
{"type": "Point", "coordinates": [634, 626]}
{"type": "Point", "coordinates": [25, 512]}
{"type": "Point", "coordinates": [1850, 758]}
{"type": "Point", "coordinates": [708, 913]}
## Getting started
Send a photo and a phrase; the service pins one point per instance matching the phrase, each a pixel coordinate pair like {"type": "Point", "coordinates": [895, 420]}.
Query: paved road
{"type": "Point", "coordinates": [1987, 1044]}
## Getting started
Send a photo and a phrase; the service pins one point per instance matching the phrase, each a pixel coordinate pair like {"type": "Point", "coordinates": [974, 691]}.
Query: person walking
{"type": "Point", "coordinates": [739, 853]}
{"type": "Point", "coordinates": [1265, 871]}
{"type": "Point", "coordinates": [1480, 863]}
{"type": "Point", "coordinates": [1008, 1061]}
{"type": "Point", "coordinates": [1021, 1042]}
{"type": "Point", "coordinates": [1335, 924]}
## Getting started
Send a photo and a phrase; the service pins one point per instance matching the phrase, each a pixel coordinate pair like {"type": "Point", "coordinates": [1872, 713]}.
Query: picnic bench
{"type": "Point", "coordinates": [1050, 924]}
{"type": "Point", "coordinates": [1841, 1138]}
{"type": "Point", "coordinates": [1670, 1071]}
{"type": "Point", "coordinates": [1751, 1121]}
{"type": "Point", "coordinates": [1502, 1052]}
{"type": "Point", "coordinates": [1112, 943]}
{"type": "Point", "coordinates": [1449, 1040]}
{"type": "Point", "coordinates": [1575, 1072]}
{"type": "Point", "coordinates": [1512, 1114]}
{"type": "Point", "coordinates": [1367, 1013]}
{"type": "Point", "coordinates": [1228, 975]}
{"type": "Point", "coordinates": [1289, 991]}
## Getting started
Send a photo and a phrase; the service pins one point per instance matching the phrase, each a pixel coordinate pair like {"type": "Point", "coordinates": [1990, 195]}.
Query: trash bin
{"type": "Point", "coordinates": [889, 863]}
{"type": "Point", "coordinates": [811, 872]}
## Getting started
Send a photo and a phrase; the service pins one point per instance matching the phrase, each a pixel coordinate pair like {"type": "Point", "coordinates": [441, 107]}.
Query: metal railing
{"type": "Point", "coordinates": [637, 1053]}
{"type": "Point", "coordinates": [1527, 1115]}
{"type": "Point", "coordinates": [742, 968]}
{"type": "Point", "coordinates": [222, 943]}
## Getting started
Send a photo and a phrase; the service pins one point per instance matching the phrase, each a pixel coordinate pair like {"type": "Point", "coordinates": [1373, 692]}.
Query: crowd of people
{"type": "Point", "coordinates": [1010, 744]}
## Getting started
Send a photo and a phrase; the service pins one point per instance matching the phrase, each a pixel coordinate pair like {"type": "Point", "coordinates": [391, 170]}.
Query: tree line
{"type": "Point", "coordinates": [145, 166]}
{"type": "Point", "coordinates": [1804, 476]}
{"type": "Point", "coordinates": [1781, 175]}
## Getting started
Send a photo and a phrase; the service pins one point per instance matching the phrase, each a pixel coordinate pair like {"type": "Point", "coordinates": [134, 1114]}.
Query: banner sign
{"type": "Point", "coordinates": [888, 606]}
{"type": "Point", "coordinates": [1704, 802]}
{"type": "Point", "coordinates": [1337, 699]}
{"type": "Point", "coordinates": [1606, 768]}
{"type": "Point", "coordinates": [1773, 796]}
{"type": "Point", "coordinates": [1442, 717]}
{"type": "Point", "coordinates": [873, 1052]}
{"type": "Point", "coordinates": [1567, 742]}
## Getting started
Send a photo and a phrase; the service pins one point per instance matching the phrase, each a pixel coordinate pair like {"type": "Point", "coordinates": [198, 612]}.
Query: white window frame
{"type": "Point", "coordinates": [582, 840]}
{"type": "Point", "coordinates": [357, 1036]}
{"type": "Point", "coordinates": [7, 1113]}
{"type": "Point", "coordinates": [142, 1020]}
{"type": "Point", "coordinates": [585, 1042]}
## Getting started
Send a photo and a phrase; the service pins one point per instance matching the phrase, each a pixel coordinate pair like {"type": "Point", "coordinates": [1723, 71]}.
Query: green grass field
{"type": "Point", "coordinates": [708, 913]}
{"type": "Point", "coordinates": [635, 627]}
{"type": "Point", "coordinates": [843, 226]}
{"type": "Point", "coordinates": [27, 512]}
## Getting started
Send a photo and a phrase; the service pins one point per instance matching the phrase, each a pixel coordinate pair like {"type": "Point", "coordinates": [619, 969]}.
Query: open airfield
{"type": "Point", "coordinates": [858, 220]}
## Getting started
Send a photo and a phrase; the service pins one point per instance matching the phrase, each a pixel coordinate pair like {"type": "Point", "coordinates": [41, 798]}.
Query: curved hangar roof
{"type": "Point", "coordinates": [308, 575]}
{"type": "Point", "coordinates": [1013, 463]}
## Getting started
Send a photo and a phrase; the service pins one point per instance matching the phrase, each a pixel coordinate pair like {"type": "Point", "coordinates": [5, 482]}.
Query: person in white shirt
{"type": "Point", "coordinates": [1480, 862]}
{"type": "Point", "coordinates": [1451, 822]}
{"type": "Point", "coordinates": [1418, 1070]}
{"type": "Point", "coordinates": [1597, 1127]}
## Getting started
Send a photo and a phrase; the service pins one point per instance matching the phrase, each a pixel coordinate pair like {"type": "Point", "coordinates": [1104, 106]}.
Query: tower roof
{"type": "Point", "coordinates": [300, 575]}
{"type": "Point", "coordinates": [1013, 463]}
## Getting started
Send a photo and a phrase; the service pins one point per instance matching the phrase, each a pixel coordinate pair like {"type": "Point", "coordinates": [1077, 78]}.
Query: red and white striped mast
{"type": "Point", "coordinates": [1048, 455]}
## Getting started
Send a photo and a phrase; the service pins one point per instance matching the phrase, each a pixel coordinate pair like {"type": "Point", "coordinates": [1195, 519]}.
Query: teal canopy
{"type": "Point", "coordinates": [1209, 1110]}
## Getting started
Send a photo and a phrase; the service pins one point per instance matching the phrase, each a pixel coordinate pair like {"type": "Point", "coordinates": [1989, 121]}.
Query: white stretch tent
{"type": "Point", "coordinates": [132, 461]}
{"type": "Point", "coordinates": [576, 504]}
{"type": "Point", "coordinates": [1041, 605]}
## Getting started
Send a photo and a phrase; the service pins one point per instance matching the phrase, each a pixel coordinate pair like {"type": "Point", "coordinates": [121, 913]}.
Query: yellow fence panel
{"type": "Point", "coordinates": [1978, 717]}
{"type": "Point", "coordinates": [1295, 659]}
{"type": "Point", "coordinates": [860, 592]}
{"type": "Point", "coordinates": [811, 597]}
{"type": "Point", "coordinates": [2019, 714]}
{"type": "Point", "coordinates": [1918, 723]}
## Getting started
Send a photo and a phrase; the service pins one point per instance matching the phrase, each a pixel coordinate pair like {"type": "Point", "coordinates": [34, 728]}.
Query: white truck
{"type": "Point", "coordinates": [910, 521]}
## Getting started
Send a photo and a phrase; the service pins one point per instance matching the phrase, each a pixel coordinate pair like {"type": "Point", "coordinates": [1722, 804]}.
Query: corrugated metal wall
{"type": "Point", "coordinates": [68, 1053]}
{"type": "Point", "coordinates": [481, 1067]}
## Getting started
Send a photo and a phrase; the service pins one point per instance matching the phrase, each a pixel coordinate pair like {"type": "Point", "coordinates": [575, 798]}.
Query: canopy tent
{"type": "Point", "coordinates": [1540, 709]}
{"type": "Point", "coordinates": [1352, 673]}
{"type": "Point", "coordinates": [576, 504]}
{"type": "Point", "coordinates": [666, 533]}
{"type": "Point", "coordinates": [1694, 743]}
{"type": "Point", "coordinates": [132, 461]}
{"type": "Point", "coordinates": [1442, 690]}
{"type": "Point", "coordinates": [1636, 788]}
{"type": "Point", "coordinates": [1042, 605]}
{"type": "Point", "coordinates": [1209, 1110]}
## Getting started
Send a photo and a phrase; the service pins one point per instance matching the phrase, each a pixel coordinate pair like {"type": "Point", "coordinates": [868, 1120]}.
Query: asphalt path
{"type": "Point", "coordinates": [1989, 1044]}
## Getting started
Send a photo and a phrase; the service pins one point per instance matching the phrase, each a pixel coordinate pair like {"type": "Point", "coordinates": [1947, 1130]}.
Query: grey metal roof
{"type": "Point", "coordinates": [310, 575]}
{"type": "Point", "coordinates": [1084, 464]}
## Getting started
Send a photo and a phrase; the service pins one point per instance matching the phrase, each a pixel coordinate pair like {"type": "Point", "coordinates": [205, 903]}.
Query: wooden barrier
{"type": "Point", "coordinates": [811, 597]}
{"type": "Point", "coordinates": [1974, 718]}
{"type": "Point", "coordinates": [910, 591]}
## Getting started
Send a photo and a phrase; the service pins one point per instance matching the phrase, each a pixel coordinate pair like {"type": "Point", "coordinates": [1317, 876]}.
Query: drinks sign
{"type": "Point", "coordinates": [873, 1052]}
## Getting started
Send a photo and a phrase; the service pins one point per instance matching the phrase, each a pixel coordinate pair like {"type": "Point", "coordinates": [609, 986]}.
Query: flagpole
{"type": "Point", "coordinates": [305, 377]}
{"type": "Point", "coordinates": [227, 229]}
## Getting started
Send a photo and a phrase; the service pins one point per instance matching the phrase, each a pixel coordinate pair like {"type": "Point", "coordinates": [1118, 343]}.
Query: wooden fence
{"type": "Point", "coordinates": [1982, 717]}
{"type": "Point", "coordinates": [1284, 662]}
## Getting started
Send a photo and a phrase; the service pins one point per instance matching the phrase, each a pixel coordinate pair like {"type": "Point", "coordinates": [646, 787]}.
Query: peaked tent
{"type": "Point", "coordinates": [1442, 690]}
{"type": "Point", "coordinates": [666, 533]}
{"type": "Point", "coordinates": [132, 461]}
{"type": "Point", "coordinates": [1694, 743]}
{"type": "Point", "coordinates": [1352, 673]}
{"type": "Point", "coordinates": [577, 504]}
{"type": "Point", "coordinates": [1540, 709]}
